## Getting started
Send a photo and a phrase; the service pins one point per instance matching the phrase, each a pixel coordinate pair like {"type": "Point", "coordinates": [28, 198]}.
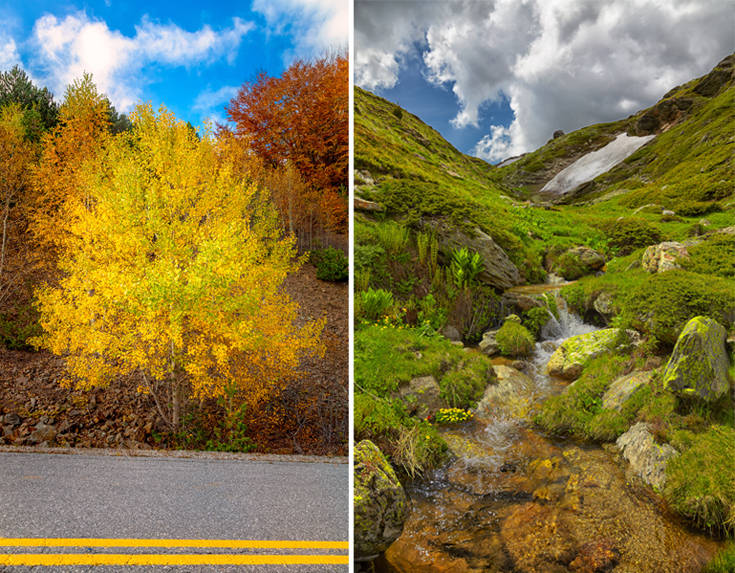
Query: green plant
{"type": "Point", "coordinates": [331, 265]}
{"type": "Point", "coordinates": [450, 416]}
{"type": "Point", "coordinates": [535, 318]}
{"type": "Point", "coordinates": [514, 339]}
{"type": "Point", "coordinates": [627, 234]}
{"type": "Point", "coordinates": [465, 267]}
{"type": "Point", "coordinates": [393, 237]}
{"type": "Point", "coordinates": [724, 561]}
{"type": "Point", "coordinates": [375, 303]}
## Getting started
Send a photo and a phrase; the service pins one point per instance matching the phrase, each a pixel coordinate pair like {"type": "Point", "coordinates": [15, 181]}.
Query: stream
{"type": "Point", "coordinates": [515, 500]}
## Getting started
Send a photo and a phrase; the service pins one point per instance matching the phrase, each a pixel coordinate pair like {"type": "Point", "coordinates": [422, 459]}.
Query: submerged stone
{"type": "Point", "coordinates": [698, 366]}
{"type": "Point", "coordinates": [380, 504]}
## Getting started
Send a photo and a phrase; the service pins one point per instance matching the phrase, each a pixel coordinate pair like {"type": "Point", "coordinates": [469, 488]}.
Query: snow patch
{"type": "Point", "coordinates": [595, 163]}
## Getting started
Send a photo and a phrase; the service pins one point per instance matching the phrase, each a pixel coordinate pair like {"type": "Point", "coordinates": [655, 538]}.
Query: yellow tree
{"type": "Point", "coordinates": [17, 154]}
{"type": "Point", "coordinates": [173, 270]}
{"type": "Point", "coordinates": [84, 126]}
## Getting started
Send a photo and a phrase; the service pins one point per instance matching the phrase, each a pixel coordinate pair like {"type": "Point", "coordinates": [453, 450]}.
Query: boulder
{"type": "Point", "coordinates": [509, 395]}
{"type": "Point", "coordinates": [488, 344]}
{"type": "Point", "coordinates": [422, 396]}
{"type": "Point", "coordinates": [577, 262]}
{"type": "Point", "coordinates": [622, 389]}
{"type": "Point", "coordinates": [451, 333]}
{"type": "Point", "coordinates": [498, 270]}
{"type": "Point", "coordinates": [603, 304]}
{"type": "Point", "coordinates": [570, 358]}
{"type": "Point", "coordinates": [519, 302]}
{"type": "Point", "coordinates": [647, 459]}
{"type": "Point", "coordinates": [663, 257]}
{"type": "Point", "coordinates": [380, 504]}
{"type": "Point", "coordinates": [698, 366]}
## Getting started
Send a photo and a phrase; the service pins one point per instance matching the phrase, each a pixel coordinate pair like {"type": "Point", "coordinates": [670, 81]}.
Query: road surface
{"type": "Point", "coordinates": [102, 513]}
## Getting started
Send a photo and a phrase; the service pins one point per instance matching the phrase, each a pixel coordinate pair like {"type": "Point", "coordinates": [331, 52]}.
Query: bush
{"type": "Point", "coordinates": [627, 235]}
{"type": "Point", "coordinates": [700, 483]}
{"type": "Point", "coordinates": [663, 303]}
{"type": "Point", "coordinates": [514, 339]}
{"type": "Point", "coordinates": [331, 265]}
{"type": "Point", "coordinates": [375, 303]}
{"type": "Point", "coordinates": [715, 256]}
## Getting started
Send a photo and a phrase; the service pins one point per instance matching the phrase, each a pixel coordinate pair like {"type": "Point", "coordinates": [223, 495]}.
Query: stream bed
{"type": "Point", "coordinates": [515, 500]}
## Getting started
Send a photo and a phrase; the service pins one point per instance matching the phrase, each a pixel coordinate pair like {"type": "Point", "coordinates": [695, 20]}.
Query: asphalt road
{"type": "Point", "coordinates": [48, 501]}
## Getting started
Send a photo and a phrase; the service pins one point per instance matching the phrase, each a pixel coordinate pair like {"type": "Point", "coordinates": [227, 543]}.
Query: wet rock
{"type": "Point", "coordinates": [519, 302]}
{"type": "Point", "coordinates": [647, 459]}
{"type": "Point", "coordinates": [498, 270]}
{"type": "Point", "coordinates": [663, 257]}
{"type": "Point", "coordinates": [596, 557]}
{"type": "Point", "coordinates": [698, 366]}
{"type": "Point", "coordinates": [622, 389]}
{"type": "Point", "coordinates": [575, 352]}
{"type": "Point", "coordinates": [488, 344]}
{"type": "Point", "coordinates": [421, 396]}
{"type": "Point", "coordinates": [510, 394]}
{"type": "Point", "coordinates": [380, 504]}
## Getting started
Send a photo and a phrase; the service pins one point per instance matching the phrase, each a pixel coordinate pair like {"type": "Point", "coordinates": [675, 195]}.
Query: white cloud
{"type": "Point", "coordinates": [315, 26]}
{"type": "Point", "coordinates": [70, 47]}
{"type": "Point", "coordinates": [561, 64]}
{"type": "Point", "coordinates": [8, 54]}
{"type": "Point", "coordinates": [211, 102]}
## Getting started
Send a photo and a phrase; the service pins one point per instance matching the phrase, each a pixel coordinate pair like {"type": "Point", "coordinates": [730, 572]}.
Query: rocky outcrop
{"type": "Point", "coordinates": [622, 389]}
{"type": "Point", "coordinates": [698, 366]}
{"type": "Point", "coordinates": [488, 344]}
{"type": "Point", "coordinates": [663, 257]}
{"type": "Point", "coordinates": [575, 352]}
{"type": "Point", "coordinates": [421, 396]}
{"type": "Point", "coordinates": [647, 459]}
{"type": "Point", "coordinates": [498, 270]}
{"type": "Point", "coordinates": [380, 504]}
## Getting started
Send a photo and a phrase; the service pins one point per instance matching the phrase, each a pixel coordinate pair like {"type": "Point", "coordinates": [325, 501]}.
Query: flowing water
{"type": "Point", "coordinates": [514, 500]}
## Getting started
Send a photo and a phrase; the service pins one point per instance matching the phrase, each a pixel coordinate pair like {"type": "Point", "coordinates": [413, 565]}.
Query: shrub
{"type": "Point", "coordinates": [627, 235]}
{"type": "Point", "coordinates": [700, 483]}
{"type": "Point", "coordinates": [397, 112]}
{"type": "Point", "coordinates": [331, 265]}
{"type": "Point", "coordinates": [715, 256]}
{"type": "Point", "coordinates": [663, 303]}
{"type": "Point", "coordinates": [375, 303]}
{"type": "Point", "coordinates": [514, 339]}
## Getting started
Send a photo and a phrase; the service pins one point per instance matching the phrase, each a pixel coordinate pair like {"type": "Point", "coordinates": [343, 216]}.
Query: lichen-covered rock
{"type": "Point", "coordinates": [380, 504]}
{"type": "Point", "coordinates": [421, 396]}
{"type": "Point", "coordinates": [509, 395]}
{"type": "Point", "coordinates": [622, 389]}
{"type": "Point", "coordinates": [604, 305]}
{"type": "Point", "coordinates": [575, 352]}
{"type": "Point", "coordinates": [647, 459]}
{"type": "Point", "coordinates": [698, 366]}
{"type": "Point", "coordinates": [663, 257]}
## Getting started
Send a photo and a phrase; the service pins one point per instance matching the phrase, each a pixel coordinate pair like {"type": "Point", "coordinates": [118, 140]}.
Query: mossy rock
{"type": "Point", "coordinates": [575, 352]}
{"type": "Point", "coordinates": [577, 262]}
{"type": "Point", "coordinates": [380, 504]}
{"type": "Point", "coordinates": [698, 366]}
{"type": "Point", "coordinates": [622, 389]}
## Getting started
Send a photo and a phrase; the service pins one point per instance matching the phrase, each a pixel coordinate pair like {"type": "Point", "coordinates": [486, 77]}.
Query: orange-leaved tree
{"type": "Point", "coordinates": [83, 128]}
{"type": "Point", "coordinates": [301, 119]}
{"type": "Point", "coordinates": [173, 271]}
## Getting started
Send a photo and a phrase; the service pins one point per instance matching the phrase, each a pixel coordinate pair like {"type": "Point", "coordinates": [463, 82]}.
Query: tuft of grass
{"type": "Point", "coordinates": [514, 339]}
{"type": "Point", "coordinates": [724, 561]}
{"type": "Point", "coordinates": [700, 483]}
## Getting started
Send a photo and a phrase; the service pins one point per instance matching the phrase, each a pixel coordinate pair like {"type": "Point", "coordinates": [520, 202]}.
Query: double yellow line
{"type": "Point", "coordinates": [143, 559]}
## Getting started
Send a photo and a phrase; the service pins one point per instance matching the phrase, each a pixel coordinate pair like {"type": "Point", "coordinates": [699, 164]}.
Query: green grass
{"type": "Point", "coordinates": [724, 562]}
{"type": "Point", "coordinates": [700, 483]}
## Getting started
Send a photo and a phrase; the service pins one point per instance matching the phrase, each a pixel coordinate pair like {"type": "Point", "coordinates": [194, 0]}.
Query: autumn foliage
{"type": "Point", "coordinates": [172, 269]}
{"type": "Point", "coordinates": [298, 123]}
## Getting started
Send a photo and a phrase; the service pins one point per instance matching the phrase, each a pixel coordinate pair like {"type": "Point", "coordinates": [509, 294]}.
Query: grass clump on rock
{"type": "Point", "coordinates": [700, 483]}
{"type": "Point", "coordinates": [514, 339]}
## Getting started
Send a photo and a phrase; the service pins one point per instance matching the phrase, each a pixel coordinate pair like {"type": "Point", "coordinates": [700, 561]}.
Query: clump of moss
{"type": "Point", "coordinates": [662, 304]}
{"type": "Point", "coordinates": [628, 234]}
{"type": "Point", "coordinates": [715, 256]}
{"type": "Point", "coordinates": [700, 483]}
{"type": "Point", "coordinates": [514, 339]}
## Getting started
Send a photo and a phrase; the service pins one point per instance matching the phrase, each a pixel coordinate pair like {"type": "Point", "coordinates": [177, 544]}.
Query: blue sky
{"type": "Point", "coordinates": [190, 56]}
{"type": "Point", "coordinates": [498, 77]}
